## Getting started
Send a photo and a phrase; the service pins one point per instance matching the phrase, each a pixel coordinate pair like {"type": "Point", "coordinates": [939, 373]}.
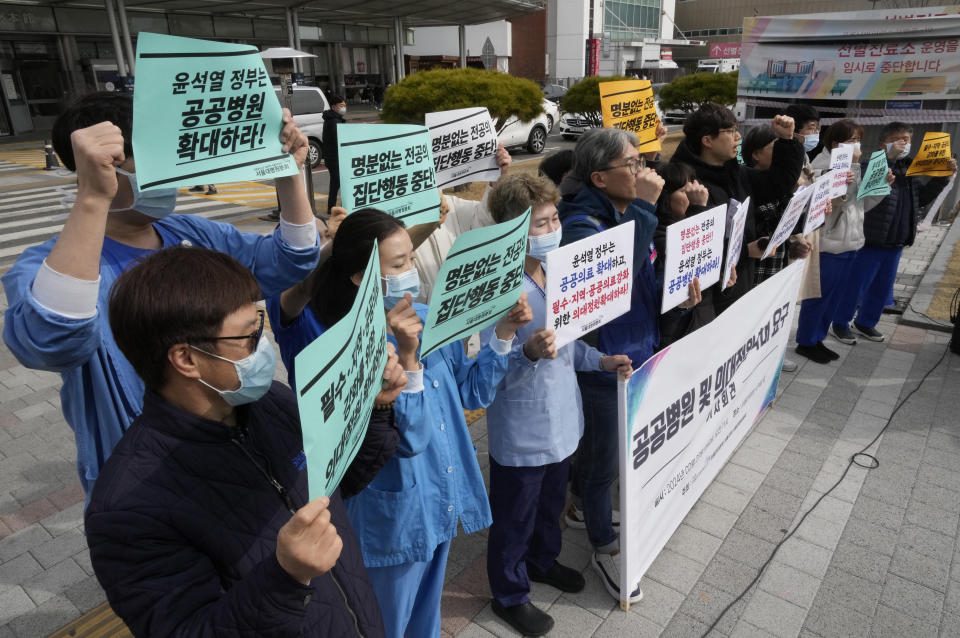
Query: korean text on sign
{"type": "Point", "coordinates": [694, 249]}
{"type": "Point", "coordinates": [819, 200]}
{"type": "Point", "coordinates": [933, 158]}
{"type": "Point", "coordinates": [589, 283]}
{"type": "Point", "coordinates": [389, 167]}
{"type": "Point", "coordinates": [464, 145]}
{"type": "Point", "coordinates": [630, 105]}
{"type": "Point", "coordinates": [735, 228]}
{"type": "Point", "coordinates": [874, 181]}
{"type": "Point", "coordinates": [338, 378]}
{"type": "Point", "coordinates": [789, 219]}
{"type": "Point", "coordinates": [479, 281]}
{"type": "Point", "coordinates": [204, 112]}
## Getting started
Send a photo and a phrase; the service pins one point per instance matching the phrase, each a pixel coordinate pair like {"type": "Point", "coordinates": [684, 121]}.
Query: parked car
{"type": "Point", "coordinates": [531, 134]}
{"type": "Point", "coordinates": [573, 125]}
{"type": "Point", "coordinates": [553, 113]}
{"type": "Point", "coordinates": [554, 92]}
{"type": "Point", "coordinates": [309, 103]}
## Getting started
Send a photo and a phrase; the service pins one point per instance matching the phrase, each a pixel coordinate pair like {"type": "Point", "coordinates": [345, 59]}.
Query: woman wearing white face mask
{"type": "Point", "coordinates": [534, 423]}
{"type": "Point", "coordinates": [407, 515]}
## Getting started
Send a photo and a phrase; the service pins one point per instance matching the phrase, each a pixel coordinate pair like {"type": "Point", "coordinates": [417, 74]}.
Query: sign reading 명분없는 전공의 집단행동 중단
{"type": "Point", "coordinates": [338, 378]}
{"type": "Point", "coordinates": [684, 411]}
{"type": "Point", "coordinates": [631, 106]}
{"type": "Point", "coordinates": [204, 112]}
{"type": "Point", "coordinates": [694, 249]}
{"type": "Point", "coordinates": [464, 145]}
{"type": "Point", "coordinates": [389, 167]}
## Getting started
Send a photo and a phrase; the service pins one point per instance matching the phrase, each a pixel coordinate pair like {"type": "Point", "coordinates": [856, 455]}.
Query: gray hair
{"type": "Point", "coordinates": [597, 148]}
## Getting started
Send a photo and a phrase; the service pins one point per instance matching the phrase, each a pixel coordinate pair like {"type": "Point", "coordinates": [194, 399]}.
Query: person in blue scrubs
{"type": "Point", "coordinates": [534, 424]}
{"type": "Point", "coordinates": [58, 291]}
{"type": "Point", "coordinates": [407, 515]}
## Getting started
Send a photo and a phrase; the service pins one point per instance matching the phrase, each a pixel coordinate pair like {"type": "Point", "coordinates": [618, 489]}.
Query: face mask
{"type": "Point", "coordinates": [539, 245]}
{"type": "Point", "coordinates": [856, 145]}
{"type": "Point", "coordinates": [810, 141]}
{"type": "Point", "coordinates": [342, 110]}
{"type": "Point", "coordinates": [906, 150]}
{"type": "Point", "coordinates": [158, 203]}
{"type": "Point", "coordinates": [255, 373]}
{"type": "Point", "coordinates": [397, 285]}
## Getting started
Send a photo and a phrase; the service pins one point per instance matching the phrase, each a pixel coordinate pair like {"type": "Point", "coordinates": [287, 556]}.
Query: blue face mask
{"type": "Point", "coordinates": [398, 285]}
{"type": "Point", "coordinates": [810, 141]}
{"type": "Point", "coordinates": [255, 373]}
{"type": "Point", "coordinates": [539, 245]}
{"type": "Point", "coordinates": [158, 203]}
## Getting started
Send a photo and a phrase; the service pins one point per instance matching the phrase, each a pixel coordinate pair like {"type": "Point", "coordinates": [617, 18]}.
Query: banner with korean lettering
{"type": "Point", "coordinates": [684, 411]}
{"type": "Point", "coordinates": [736, 225]}
{"type": "Point", "coordinates": [874, 181]}
{"type": "Point", "coordinates": [204, 112]}
{"type": "Point", "coordinates": [589, 283]}
{"type": "Point", "coordinates": [630, 105]}
{"type": "Point", "coordinates": [788, 221]}
{"type": "Point", "coordinates": [819, 200]}
{"type": "Point", "coordinates": [694, 249]}
{"type": "Point", "coordinates": [479, 281]}
{"type": "Point", "coordinates": [933, 158]}
{"type": "Point", "coordinates": [388, 167]}
{"type": "Point", "coordinates": [464, 145]}
{"type": "Point", "coordinates": [338, 378]}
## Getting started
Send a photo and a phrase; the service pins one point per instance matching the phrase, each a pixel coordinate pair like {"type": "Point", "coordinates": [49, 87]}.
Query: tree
{"type": "Point", "coordinates": [447, 89]}
{"type": "Point", "coordinates": [688, 92]}
{"type": "Point", "coordinates": [584, 97]}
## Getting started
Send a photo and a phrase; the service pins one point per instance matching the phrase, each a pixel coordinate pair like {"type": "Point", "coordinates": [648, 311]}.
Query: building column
{"type": "Point", "coordinates": [296, 38]}
{"type": "Point", "coordinates": [127, 42]}
{"type": "Point", "coordinates": [115, 36]}
{"type": "Point", "coordinates": [398, 43]}
{"type": "Point", "coordinates": [462, 32]}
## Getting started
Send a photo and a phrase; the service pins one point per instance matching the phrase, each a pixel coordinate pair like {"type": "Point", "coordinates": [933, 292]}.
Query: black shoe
{"type": "Point", "coordinates": [195, 189]}
{"type": "Point", "coordinates": [525, 618]}
{"type": "Point", "coordinates": [563, 578]}
{"type": "Point", "coordinates": [870, 333]}
{"type": "Point", "coordinates": [272, 216]}
{"type": "Point", "coordinates": [827, 351]}
{"type": "Point", "coordinates": [813, 353]}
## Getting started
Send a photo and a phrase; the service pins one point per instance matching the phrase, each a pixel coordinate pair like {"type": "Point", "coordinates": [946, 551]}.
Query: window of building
{"type": "Point", "coordinates": [631, 19]}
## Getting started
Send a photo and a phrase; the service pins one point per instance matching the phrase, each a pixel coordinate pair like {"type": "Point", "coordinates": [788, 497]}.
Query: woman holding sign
{"type": "Point", "coordinates": [407, 515]}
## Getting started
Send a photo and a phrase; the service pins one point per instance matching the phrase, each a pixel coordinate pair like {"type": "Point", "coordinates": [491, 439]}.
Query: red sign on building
{"type": "Point", "coordinates": [725, 50]}
{"type": "Point", "coordinates": [593, 56]}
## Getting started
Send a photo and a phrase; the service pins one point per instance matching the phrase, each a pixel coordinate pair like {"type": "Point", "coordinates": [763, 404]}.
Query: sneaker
{"type": "Point", "coordinates": [869, 333]}
{"type": "Point", "coordinates": [813, 353]}
{"type": "Point", "coordinates": [788, 365]}
{"type": "Point", "coordinates": [608, 567]}
{"type": "Point", "coordinates": [525, 618]}
{"type": "Point", "coordinates": [212, 190]}
{"type": "Point", "coordinates": [573, 517]}
{"type": "Point", "coordinates": [564, 578]}
{"type": "Point", "coordinates": [195, 189]}
{"type": "Point", "coordinates": [827, 351]}
{"type": "Point", "coordinates": [843, 334]}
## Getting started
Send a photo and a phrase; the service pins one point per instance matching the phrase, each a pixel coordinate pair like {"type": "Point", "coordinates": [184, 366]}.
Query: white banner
{"type": "Point", "coordinates": [817, 213]}
{"type": "Point", "coordinates": [694, 249]}
{"type": "Point", "coordinates": [736, 225]}
{"type": "Point", "coordinates": [789, 219]}
{"type": "Point", "coordinates": [589, 283]}
{"type": "Point", "coordinates": [683, 413]}
{"type": "Point", "coordinates": [464, 146]}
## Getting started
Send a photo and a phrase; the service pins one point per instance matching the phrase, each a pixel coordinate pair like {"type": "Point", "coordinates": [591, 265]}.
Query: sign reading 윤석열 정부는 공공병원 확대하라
{"type": "Point", "coordinates": [204, 112]}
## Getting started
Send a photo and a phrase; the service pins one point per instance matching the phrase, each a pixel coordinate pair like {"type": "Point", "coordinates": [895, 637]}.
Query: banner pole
{"type": "Point", "coordinates": [625, 586]}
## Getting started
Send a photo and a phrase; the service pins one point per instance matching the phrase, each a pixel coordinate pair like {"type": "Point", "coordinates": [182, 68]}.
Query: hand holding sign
{"type": "Point", "coordinates": [789, 219]}
{"type": "Point", "coordinates": [619, 363]}
{"type": "Point", "coordinates": [294, 141]}
{"type": "Point", "coordinates": [519, 316]}
{"type": "Point", "coordinates": [394, 379]}
{"type": "Point", "coordinates": [405, 325]}
{"type": "Point", "coordinates": [542, 344]}
{"type": "Point", "coordinates": [308, 544]}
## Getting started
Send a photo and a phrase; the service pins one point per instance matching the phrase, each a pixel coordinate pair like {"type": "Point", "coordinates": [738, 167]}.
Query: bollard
{"type": "Point", "coordinates": [51, 157]}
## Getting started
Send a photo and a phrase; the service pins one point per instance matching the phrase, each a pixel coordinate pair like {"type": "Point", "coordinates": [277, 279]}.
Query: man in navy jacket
{"type": "Point", "coordinates": [199, 524]}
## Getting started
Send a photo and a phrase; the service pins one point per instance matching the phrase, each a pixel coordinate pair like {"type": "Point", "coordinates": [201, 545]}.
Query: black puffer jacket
{"type": "Point", "coordinates": [331, 151]}
{"type": "Point", "coordinates": [893, 222]}
{"type": "Point", "coordinates": [182, 527]}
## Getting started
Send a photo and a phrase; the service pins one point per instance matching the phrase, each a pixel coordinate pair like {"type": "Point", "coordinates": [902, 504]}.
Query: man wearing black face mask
{"type": "Point", "coordinates": [58, 291]}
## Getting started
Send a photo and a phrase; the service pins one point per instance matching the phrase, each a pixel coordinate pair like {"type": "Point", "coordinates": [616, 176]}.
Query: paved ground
{"type": "Point", "coordinates": [879, 556]}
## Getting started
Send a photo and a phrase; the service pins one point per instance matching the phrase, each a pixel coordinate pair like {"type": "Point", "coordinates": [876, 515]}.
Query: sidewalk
{"type": "Point", "coordinates": [879, 556]}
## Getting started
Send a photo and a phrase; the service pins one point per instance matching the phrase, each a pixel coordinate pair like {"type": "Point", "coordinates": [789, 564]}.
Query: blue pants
{"type": "Point", "coordinates": [597, 460]}
{"type": "Point", "coordinates": [526, 504]}
{"type": "Point", "coordinates": [871, 278]}
{"type": "Point", "coordinates": [817, 314]}
{"type": "Point", "coordinates": [409, 595]}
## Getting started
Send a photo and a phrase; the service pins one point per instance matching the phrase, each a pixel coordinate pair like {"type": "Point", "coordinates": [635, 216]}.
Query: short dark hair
{"type": "Point", "coordinates": [175, 295]}
{"type": "Point", "coordinates": [894, 127]}
{"type": "Point", "coordinates": [103, 106]}
{"type": "Point", "coordinates": [675, 176]}
{"type": "Point", "coordinates": [706, 120]}
{"type": "Point", "coordinates": [336, 99]}
{"type": "Point", "coordinates": [838, 133]}
{"type": "Point", "coordinates": [801, 114]}
{"type": "Point", "coordinates": [555, 165]}
{"type": "Point", "coordinates": [755, 139]}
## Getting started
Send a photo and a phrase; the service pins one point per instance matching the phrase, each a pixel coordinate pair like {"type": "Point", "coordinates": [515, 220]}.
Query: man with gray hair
{"type": "Point", "coordinates": [617, 188]}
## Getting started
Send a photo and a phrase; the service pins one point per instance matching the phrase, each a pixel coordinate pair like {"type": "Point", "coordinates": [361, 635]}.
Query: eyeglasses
{"type": "Point", "coordinates": [732, 130]}
{"type": "Point", "coordinates": [634, 164]}
{"type": "Point", "coordinates": [253, 336]}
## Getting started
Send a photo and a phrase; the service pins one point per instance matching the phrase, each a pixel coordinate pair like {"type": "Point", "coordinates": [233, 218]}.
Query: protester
{"type": "Point", "coordinates": [887, 229]}
{"type": "Point", "coordinates": [199, 523]}
{"type": "Point", "coordinates": [558, 167]}
{"type": "Point", "coordinates": [806, 128]}
{"type": "Point", "coordinates": [57, 291]}
{"type": "Point", "coordinates": [711, 135]}
{"type": "Point", "coordinates": [617, 189]}
{"type": "Point", "coordinates": [406, 517]}
{"type": "Point", "coordinates": [331, 150]}
{"type": "Point", "coordinates": [534, 425]}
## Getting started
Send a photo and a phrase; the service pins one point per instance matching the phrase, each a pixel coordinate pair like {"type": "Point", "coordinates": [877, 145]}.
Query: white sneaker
{"type": "Point", "coordinates": [789, 366]}
{"type": "Point", "coordinates": [573, 516]}
{"type": "Point", "coordinates": [608, 567]}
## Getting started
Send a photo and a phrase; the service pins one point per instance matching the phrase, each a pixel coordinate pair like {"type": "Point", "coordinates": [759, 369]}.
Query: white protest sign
{"type": "Point", "coordinates": [589, 283]}
{"type": "Point", "coordinates": [683, 413]}
{"type": "Point", "coordinates": [464, 146]}
{"type": "Point", "coordinates": [736, 226]}
{"type": "Point", "coordinates": [838, 183]}
{"type": "Point", "coordinates": [841, 158]}
{"type": "Point", "coordinates": [694, 249]}
{"type": "Point", "coordinates": [789, 219]}
{"type": "Point", "coordinates": [819, 200]}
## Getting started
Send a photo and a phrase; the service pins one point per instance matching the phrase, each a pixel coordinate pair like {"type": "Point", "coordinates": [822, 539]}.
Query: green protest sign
{"type": "Point", "coordinates": [479, 281]}
{"type": "Point", "coordinates": [874, 180]}
{"type": "Point", "coordinates": [338, 377]}
{"type": "Point", "coordinates": [389, 167]}
{"type": "Point", "coordinates": [204, 112]}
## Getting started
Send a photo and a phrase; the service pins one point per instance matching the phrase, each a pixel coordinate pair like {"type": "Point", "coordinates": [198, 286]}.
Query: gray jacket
{"type": "Point", "coordinates": [843, 229]}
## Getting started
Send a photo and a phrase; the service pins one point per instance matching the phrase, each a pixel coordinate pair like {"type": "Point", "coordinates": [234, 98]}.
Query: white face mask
{"type": "Point", "coordinates": [342, 110]}
{"type": "Point", "coordinates": [398, 285]}
{"type": "Point", "coordinates": [906, 149]}
{"type": "Point", "coordinates": [539, 245]}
